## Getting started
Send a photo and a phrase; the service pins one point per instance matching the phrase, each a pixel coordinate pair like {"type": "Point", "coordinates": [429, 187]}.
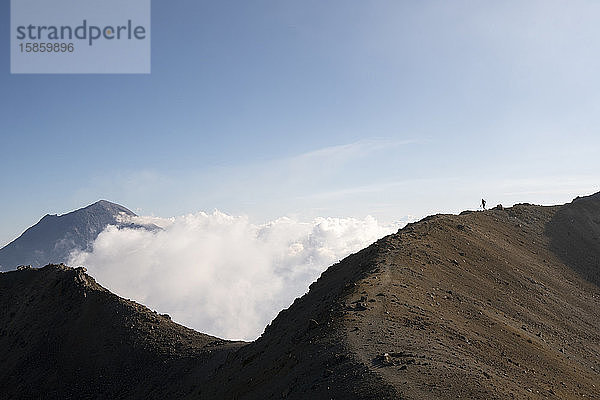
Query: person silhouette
{"type": "Point", "coordinates": [483, 204]}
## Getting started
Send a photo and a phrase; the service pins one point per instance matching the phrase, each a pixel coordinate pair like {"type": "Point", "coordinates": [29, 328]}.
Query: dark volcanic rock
{"type": "Point", "coordinates": [63, 336]}
{"type": "Point", "coordinates": [54, 237]}
{"type": "Point", "coordinates": [575, 234]}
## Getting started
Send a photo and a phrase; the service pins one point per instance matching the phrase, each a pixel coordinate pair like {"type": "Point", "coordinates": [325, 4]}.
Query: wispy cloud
{"type": "Point", "coordinates": [355, 149]}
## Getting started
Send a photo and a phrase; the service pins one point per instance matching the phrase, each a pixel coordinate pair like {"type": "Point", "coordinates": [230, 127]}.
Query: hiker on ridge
{"type": "Point", "coordinates": [483, 204]}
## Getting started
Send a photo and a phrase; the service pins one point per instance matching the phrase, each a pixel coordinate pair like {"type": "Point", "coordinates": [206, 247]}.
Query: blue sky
{"type": "Point", "coordinates": [338, 108]}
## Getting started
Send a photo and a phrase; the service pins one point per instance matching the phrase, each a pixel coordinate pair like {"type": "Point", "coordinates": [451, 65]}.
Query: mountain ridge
{"type": "Point", "coordinates": [483, 305]}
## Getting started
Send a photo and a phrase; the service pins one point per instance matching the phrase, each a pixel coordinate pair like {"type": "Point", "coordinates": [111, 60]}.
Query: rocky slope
{"type": "Point", "coordinates": [495, 305]}
{"type": "Point", "coordinates": [64, 336]}
{"type": "Point", "coordinates": [485, 305]}
{"type": "Point", "coordinates": [54, 237]}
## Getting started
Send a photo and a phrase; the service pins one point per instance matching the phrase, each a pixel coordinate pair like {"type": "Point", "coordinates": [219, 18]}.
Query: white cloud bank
{"type": "Point", "coordinates": [222, 274]}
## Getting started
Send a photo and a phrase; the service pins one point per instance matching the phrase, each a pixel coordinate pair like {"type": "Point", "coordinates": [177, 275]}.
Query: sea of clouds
{"type": "Point", "coordinates": [221, 274]}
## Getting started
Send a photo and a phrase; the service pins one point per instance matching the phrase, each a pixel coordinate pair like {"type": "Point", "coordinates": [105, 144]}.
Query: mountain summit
{"type": "Point", "coordinates": [54, 237]}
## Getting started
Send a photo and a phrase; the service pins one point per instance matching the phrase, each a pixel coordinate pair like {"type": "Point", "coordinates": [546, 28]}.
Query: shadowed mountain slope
{"type": "Point", "coordinates": [54, 237]}
{"type": "Point", "coordinates": [63, 336]}
{"type": "Point", "coordinates": [575, 236]}
{"type": "Point", "coordinates": [485, 305]}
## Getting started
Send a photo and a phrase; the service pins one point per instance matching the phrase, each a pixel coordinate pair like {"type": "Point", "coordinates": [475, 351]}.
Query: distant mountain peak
{"type": "Point", "coordinates": [54, 237]}
{"type": "Point", "coordinates": [107, 206]}
{"type": "Point", "coordinates": [105, 202]}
